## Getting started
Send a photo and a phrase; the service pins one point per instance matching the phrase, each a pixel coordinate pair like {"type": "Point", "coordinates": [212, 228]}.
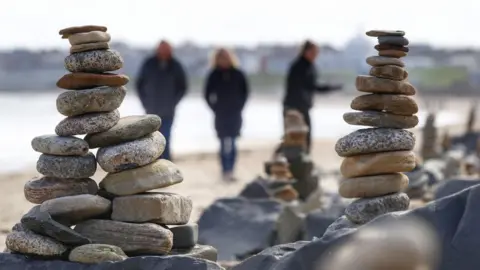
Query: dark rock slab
{"type": "Point", "coordinates": [257, 189]}
{"type": "Point", "coordinates": [316, 223]}
{"type": "Point", "coordinates": [198, 251]}
{"type": "Point", "coordinates": [185, 236]}
{"type": "Point", "coordinates": [42, 223]}
{"type": "Point", "coordinates": [237, 226]}
{"type": "Point", "coordinates": [453, 186]}
{"type": "Point", "coordinates": [20, 262]}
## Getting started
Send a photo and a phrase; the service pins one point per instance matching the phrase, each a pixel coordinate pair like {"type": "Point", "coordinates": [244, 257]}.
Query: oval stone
{"type": "Point", "coordinates": [159, 174]}
{"type": "Point", "coordinates": [378, 163]}
{"type": "Point", "coordinates": [60, 146]}
{"type": "Point", "coordinates": [89, 37]}
{"type": "Point", "coordinates": [378, 61]}
{"type": "Point", "coordinates": [100, 99]}
{"type": "Point", "coordinates": [375, 140]}
{"type": "Point", "coordinates": [383, 47]}
{"type": "Point", "coordinates": [380, 119]}
{"type": "Point", "coordinates": [384, 86]}
{"type": "Point", "coordinates": [393, 104]}
{"type": "Point", "coordinates": [364, 210]}
{"type": "Point", "coordinates": [159, 208]}
{"type": "Point", "coordinates": [372, 186]}
{"type": "Point", "coordinates": [389, 72]}
{"type": "Point", "coordinates": [146, 238]}
{"type": "Point", "coordinates": [45, 188]}
{"type": "Point", "coordinates": [393, 40]}
{"type": "Point", "coordinates": [127, 129]}
{"type": "Point", "coordinates": [97, 253]}
{"type": "Point", "coordinates": [97, 61]}
{"type": "Point", "coordinates": [81, 80]}
{"type": "Point", "coordinates": [82, 29]}
{"type": "Point", "coordinates": [27, 242]}
{"type": "Point", "coordinates": [89, 47]}
{"type": "Point", "coordinates": [87, 123]}
{"type": "Point", "coordinates": [67, 166]}
{"type": "Point", "coordinates": [392, 53]}
{"type": "Point", "coordinates": [132, 154]}
{"type": "Point", "coordinates": [73, 209]}
{"type": "Point", "coordinates": [378, 33]}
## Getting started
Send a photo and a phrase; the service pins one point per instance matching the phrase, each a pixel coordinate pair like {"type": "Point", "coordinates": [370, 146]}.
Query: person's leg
{"type": "Point", "coordinates": [166, 129]}
{"type": "Point", "coordinates": [228, 156]}
{"type": "Point", "coordinates": [222, 156]}
{"type": "Point", "coordinates": [306, 116]}
{"type": "Point", "coordinates": [233, 154]}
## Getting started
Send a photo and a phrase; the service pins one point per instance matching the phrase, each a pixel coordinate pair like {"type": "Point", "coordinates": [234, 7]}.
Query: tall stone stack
{"type": "Point", "coordinates": [123, 217]}
{"type": "Point", "coordinates": [376, 157]}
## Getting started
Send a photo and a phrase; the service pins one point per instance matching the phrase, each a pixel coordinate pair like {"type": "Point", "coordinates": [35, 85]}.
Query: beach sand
{"type": "Point", "coordinates": [201, 172]}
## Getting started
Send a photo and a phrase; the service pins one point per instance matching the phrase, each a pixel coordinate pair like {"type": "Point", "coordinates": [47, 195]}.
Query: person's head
{"type": "Point", "coordinates": [309, 51]}
{"type": "Point", "coordinates": [164, 50]}
{"type": "Point", "coordinates": [224, 59]}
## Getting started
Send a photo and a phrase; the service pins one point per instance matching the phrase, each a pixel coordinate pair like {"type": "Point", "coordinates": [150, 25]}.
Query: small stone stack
{"type": "Point", "coordinates": [296, 131]}
{"type": "Point", "coordinates": [430, 139]}
{"type": "Point", "coordinates": [280, 180]}
{"type": "Point", "coordinates": [375, 157]}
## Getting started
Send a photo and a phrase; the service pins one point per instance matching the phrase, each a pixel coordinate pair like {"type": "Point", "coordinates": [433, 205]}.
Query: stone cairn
{"type": "Point", "coordinates": [280, 180]}
{"type": "Point", "coordinates": [122, 218]}
{"type": "Point", "coordinates": [375, 157]}
{"type": "Point", "coordinates": [430, 139]}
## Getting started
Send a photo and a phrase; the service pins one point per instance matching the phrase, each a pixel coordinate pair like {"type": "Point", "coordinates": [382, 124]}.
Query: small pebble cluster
{"type": "Point", "coordinates": [281, 180]}
{"type": "Point", "coordinates": [121, 218]}
{"type": "Point", "coordinates": [376, 157]}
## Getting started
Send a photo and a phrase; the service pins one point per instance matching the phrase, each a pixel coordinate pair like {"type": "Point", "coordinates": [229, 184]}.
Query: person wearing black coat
{"type": "Point", "coordinates": [226, 92]}
{"type": "Point", "coordinates": [301, 84]}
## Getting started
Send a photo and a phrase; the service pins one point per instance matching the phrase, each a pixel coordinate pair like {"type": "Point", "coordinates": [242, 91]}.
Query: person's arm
{"type": "Point", "coordinates": [245, 88]}
{"type": "Point", "coordinates": [181, 83]}
{"type": "Point", "coordinates": [209, 91]}
{"type": "Point", "coordinates": [327, 87]}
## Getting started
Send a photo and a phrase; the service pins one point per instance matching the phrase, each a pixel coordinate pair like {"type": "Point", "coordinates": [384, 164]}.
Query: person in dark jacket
{"type": "Point", "coordinates": [161, 84]}
{"type": "Point", "coordinates": [301, 84]}
{"type": "Point", "coordinates": [226, 92]}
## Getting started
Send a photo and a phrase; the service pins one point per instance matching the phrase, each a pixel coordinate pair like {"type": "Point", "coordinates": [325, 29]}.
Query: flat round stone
{"type": "Point", "coordinates": [380, 119]}
{"type": "Point", "coordinates": [383, 47]}
{"type": "Point", "coordinates": [89, 37]}
{"type": "Point", "coordinates": [80, 80]}
{"type": "Point", "coordinates": [127, 129]}
{"type": "Point", "coordinates": [89, 47]}
{"type": "Point", "coordinates": [146, 238]}
{"type": "Point", "coordinates": [131, 155]}
{"type": "Point", "coordinates": [378, 61]}
{"type": "Point", "coordinates": [100, 99]}
{"type": "Point", "coordinates": [60, 146]}
{"type": "Point", "coordinates": [29, 243]}
{"type": "Point", "coordinates": [82, 29]}
{"type": "Point", "coordinates": [97, 253]}
{"type": "Point", "coordinates": [375, 140]}
{"type": "Point", "coordinates": [97, 61]}
{"type": "Point", "coordinates": [45, 188]}
{"type": "Point", "coordinates": [159, 174]}
{"type": "Point", "coordinates": [185, 236]}
{"type": "Point", "coordinates": [379, 33]}
{"type": "Point", "coordinates": [378, 163]}
{"type": "Point", "coordinates": [87, 123]}
{"type": "Point", "coordinates": [389, 72]}
{"type": "Point", "coordinates": [364, 210]}
{"type": "Point", "coordinates": [67, 166]}
{"type": "Point", "coordinates": [393, 40]}
{"type": "Point", "coordinates": [384, 86]}
{"type": "Point", "coordinates": [392, 53]}
{"type": "Point", "coordinates": [394, 104]}
{"type": "Point", "coordinates": [198, 251]}
{"type": "Point", "coordinates": [159, 208]}
{"type": "Point", "coordinates": [73, 209]}
{"type": "Point", "coordinates": [372, 186]}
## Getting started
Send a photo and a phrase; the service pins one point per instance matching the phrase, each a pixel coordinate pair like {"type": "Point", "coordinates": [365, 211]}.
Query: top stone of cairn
{"type": "Point", "coordinates": [379, 33]}
{"type": "Point", "coordinates": [66, 32]}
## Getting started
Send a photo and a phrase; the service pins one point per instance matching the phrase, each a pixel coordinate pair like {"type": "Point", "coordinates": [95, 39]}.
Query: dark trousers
{"type": "Point", "coordinates": [228, 153]}
{"type": "Point", "coordinates": [166, 130]}
{"type": "Point", "coordinates": [306, 116]}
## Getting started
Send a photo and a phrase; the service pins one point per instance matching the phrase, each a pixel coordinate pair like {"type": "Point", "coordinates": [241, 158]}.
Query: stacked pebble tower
{"type": "Point", "coordinates": [281, 180]}
{"type": "Point", "coordinates": [121, 218]}
{"type": "Point", "coordinates": [376, 157]}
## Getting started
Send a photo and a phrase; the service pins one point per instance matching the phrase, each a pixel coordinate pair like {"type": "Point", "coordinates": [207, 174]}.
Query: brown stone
{"type": "Point", "coordinates": [392, 53]}
{"type": "Point", "coordinates": [89, 37]}
{"type": "Point", "coordinates": [79, 80]}
{"type": "Point", "coordinates": [389, 72]}
{"type": "Point", "coordinates": [383, 47]}
{"type": "Point", "coordinates": [384, 86]}
{"type": "Point", "coordinates": [287, 194]}
{"type": "Point", "coordinates": [81, 29]}
{"type": "Point", "coordinates": [44, 188]}
{"type": "Point", "coordinates": [394, 104]}
{"type": "Point", "coordinates": [372, 186]}
{"type": "Point", "coordinates": [379, 33]}
{"type": "Point", "coordinates": [380, 119]}
{"type": "Point", "coordinates": [378, 61]}
{"type": "Point", "coordinates": [378, 163]}
{"type": "Point", "coordinates": [89, 47]}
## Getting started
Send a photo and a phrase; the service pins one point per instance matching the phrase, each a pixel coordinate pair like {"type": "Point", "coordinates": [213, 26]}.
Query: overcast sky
{"type": "Point", "coordinates": [35, 23]}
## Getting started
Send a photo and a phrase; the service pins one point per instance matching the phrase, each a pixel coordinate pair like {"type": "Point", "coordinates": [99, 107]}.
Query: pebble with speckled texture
{"type": "Point", "coordinates": [132, 154]}
{"type": "Point", "coordinates": [27, 242]}
{"type": "Point", "coordinates": [364, 210]}
{"type": "Point", "coordinates": [374, 140]}
{"type": "Point", "coordinates": [96, 61]}
{"type": "Point", "coordinates": [96, 253]}
{"type": "Point", "coordinates": [67, 166]}
{"type": "Point", "coordinates": [380, 119]}
{"type": "Point", "coordinates": [61, 146]}
{"type": "Point", "coordinates": [87, 123]}
{"type": "Point", "coordinates": [45, 188]}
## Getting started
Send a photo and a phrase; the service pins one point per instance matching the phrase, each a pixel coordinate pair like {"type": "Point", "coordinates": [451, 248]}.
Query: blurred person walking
{"type": "Point", "coordinates": [161, 84]}
{"type": "Point", "coordinates": [226, 92]}
{"type": "Point", "coordinates": [301, 84]}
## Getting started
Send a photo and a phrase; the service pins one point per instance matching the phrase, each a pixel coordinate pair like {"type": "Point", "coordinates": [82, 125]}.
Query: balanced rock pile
{"type": "Point", "coordinates": [122, 218]}
{"type": "Point", "coordinates": [376, 157]}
